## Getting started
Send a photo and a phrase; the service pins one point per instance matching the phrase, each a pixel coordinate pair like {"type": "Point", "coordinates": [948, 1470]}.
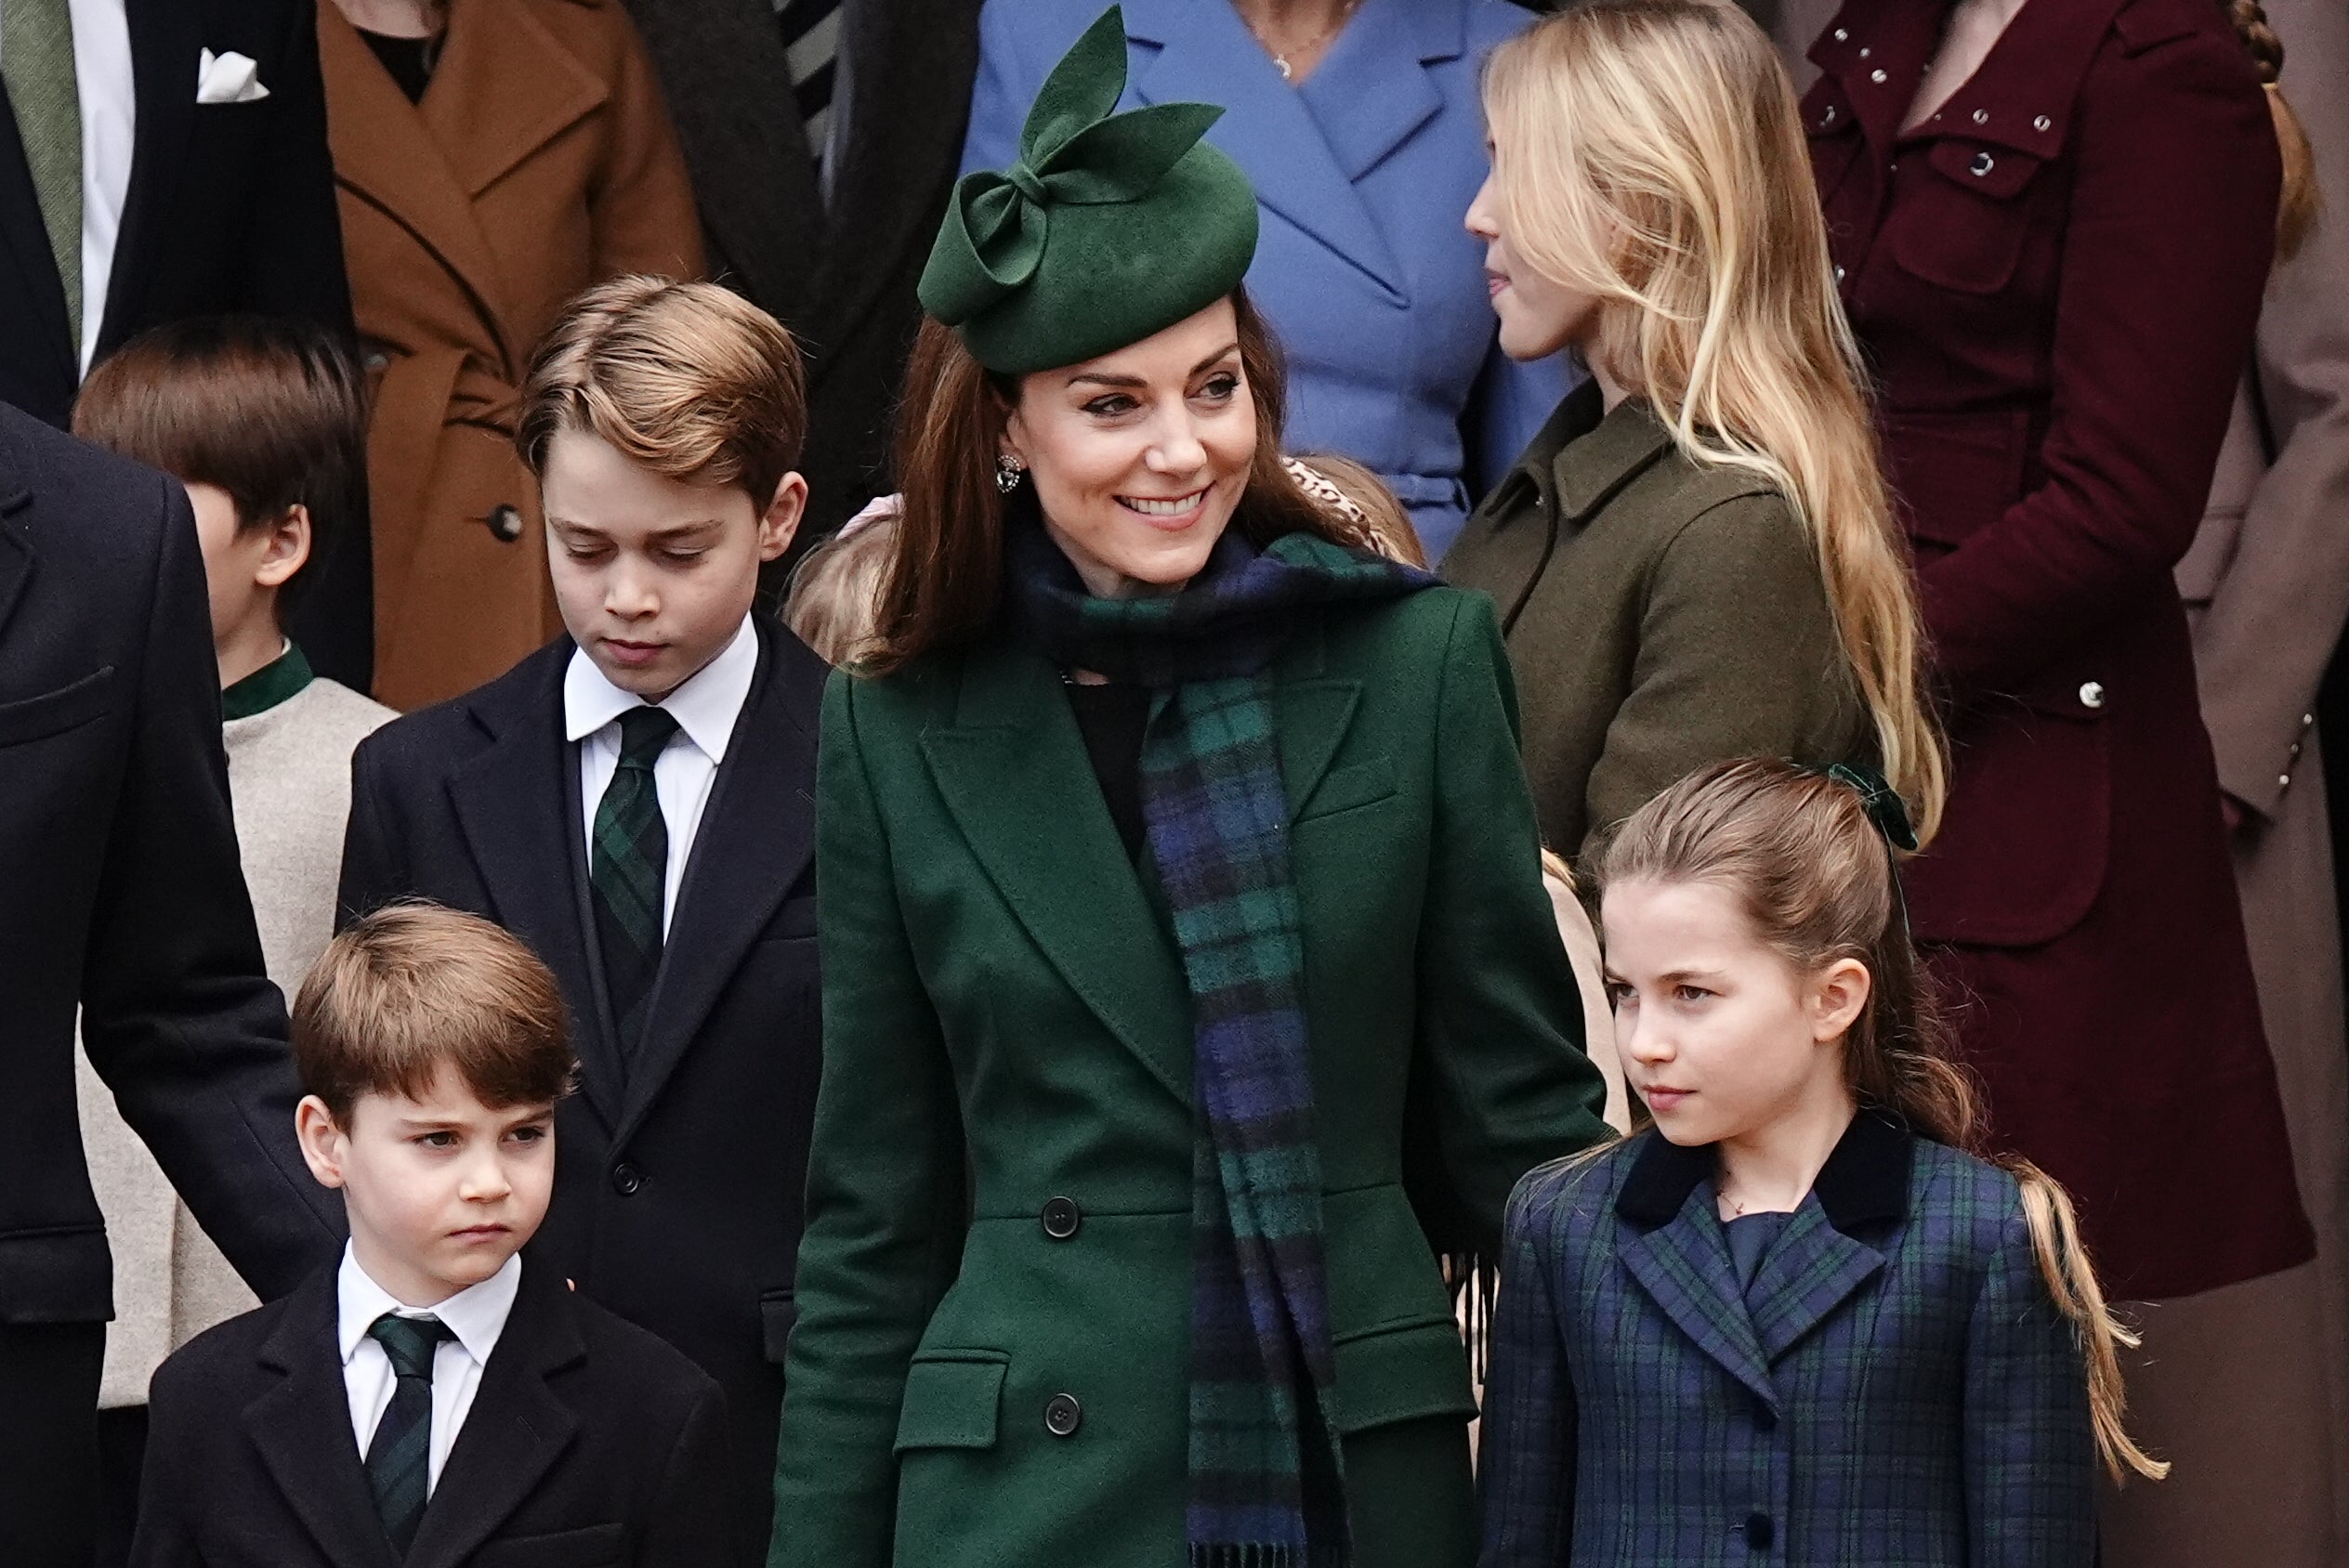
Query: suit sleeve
{"type": "Point", "coordinates": [1525, 1474]}
{"type": "Point", "coordinates": [885, 1202]}
{"type": "Point", "coordinates": [294, 256]}
{"type": "Point", "coordinates": [1733, 638]}
{"type": "Point", "coordinates": [2277, 615]}
{"type": "Point", "coordinates": [2151, 334]}
{"type": "Point", "coordinates": [687, 1526]}
{"type": "Point", "coordinates": [2031, 1456]}
{"type": "Point", "coordinates": [1501, 1017]}
{"type": "Point", "coordinates": [642, 209]}
{"type": "Point", "coordinates": [178, 1016]}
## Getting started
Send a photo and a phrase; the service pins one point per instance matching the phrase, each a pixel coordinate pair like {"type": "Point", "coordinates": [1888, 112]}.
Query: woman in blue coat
{"type": "Point", "coordinates": [1358, 158]}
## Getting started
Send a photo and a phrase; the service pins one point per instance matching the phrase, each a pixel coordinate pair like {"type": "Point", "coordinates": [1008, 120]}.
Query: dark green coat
{"type": "Point", "coordinates": [999, 1189]}
{"type": "Point", "coordinates": [1661, 616]}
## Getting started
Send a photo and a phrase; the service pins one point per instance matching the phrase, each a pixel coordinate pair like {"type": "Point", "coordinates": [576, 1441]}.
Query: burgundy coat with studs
{"type": "Point", "coordinates": [2055, 279]}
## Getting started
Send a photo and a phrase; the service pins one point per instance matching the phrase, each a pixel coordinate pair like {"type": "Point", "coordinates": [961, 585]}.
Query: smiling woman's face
{"type": "Point", "coordinates": [1139, 457]}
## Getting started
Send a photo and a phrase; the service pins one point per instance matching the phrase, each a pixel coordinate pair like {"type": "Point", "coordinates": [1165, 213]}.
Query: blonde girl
{"type": "Point", "coordinates": [1796, 1321]}
{"type": "Point", "coordinates": [1696, 559]}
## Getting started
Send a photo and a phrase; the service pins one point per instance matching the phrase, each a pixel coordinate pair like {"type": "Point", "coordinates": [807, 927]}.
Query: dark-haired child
{"type": "Point", "coordinates": [263, 422]}
{"type": "Point", "coordinates": [434, 1398]}
{"type": "Point", "coordinates": [1795, 1323]}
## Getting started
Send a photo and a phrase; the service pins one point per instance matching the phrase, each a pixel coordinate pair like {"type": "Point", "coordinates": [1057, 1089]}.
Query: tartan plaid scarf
{"type": "Point", "coordinates": [1267, 1476]}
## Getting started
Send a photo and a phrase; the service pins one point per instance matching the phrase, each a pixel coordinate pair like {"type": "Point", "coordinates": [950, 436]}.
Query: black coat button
{"type": "Point", "coordinates": [1063, 1415]}
{"type": "Point", "coordinates": [1061, 1217]}
{"type": "Point", "coordinates": [506, 522]}
{"type": "Point", "coordinates": [627, 1180]}
{"type": "Point", "coordinates": [1759, 1532]}
{"type": "Point", "coordinates": [1764, 1419]}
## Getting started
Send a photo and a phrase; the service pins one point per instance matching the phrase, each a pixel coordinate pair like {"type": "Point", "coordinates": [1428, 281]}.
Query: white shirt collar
{"type": "Point", "coordinates": [476, 1314]}
{"type": "Point", "coordinates": [704, 707]}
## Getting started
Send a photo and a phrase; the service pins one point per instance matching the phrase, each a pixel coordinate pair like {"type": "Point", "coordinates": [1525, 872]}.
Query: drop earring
{"type": "Point", "coordinates": [1009, 471]}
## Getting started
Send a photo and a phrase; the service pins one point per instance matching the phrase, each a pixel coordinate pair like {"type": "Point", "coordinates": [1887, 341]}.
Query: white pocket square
{"type": "Point", "coordinates": [230, 78]}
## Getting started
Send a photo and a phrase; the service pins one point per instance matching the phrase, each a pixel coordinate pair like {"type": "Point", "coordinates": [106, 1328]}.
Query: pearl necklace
{"type": "Point", "coordinates": [1281, 57]}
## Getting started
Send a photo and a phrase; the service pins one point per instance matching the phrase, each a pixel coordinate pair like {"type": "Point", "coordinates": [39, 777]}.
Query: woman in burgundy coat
{"type": "Point", "coordinates": [2055, 261]}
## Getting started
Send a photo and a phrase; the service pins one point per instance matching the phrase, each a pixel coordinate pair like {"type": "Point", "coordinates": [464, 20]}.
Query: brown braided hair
{"type": "Point", "coordinates": [2296, 213]}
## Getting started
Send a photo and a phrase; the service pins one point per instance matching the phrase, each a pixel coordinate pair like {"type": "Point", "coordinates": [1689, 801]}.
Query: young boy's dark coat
{"type": "Point", "coordinates": [679, 1183]}
{"type": "Point", "coordinates": [589, 1444]}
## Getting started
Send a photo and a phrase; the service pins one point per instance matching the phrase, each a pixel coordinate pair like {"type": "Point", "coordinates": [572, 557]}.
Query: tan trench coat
{"type": "Point", "coordinates": [540, 160]}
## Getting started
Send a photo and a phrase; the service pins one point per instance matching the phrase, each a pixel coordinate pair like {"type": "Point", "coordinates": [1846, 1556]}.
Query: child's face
{"type": "Point", "coordinates": [1718, 1033]}
{"type": "Point", "coordinates": [654, 575]}
{"type": "Point", "coordinates": [244, 568]}
{"type": "Point", "coordinates": [440, 1190]}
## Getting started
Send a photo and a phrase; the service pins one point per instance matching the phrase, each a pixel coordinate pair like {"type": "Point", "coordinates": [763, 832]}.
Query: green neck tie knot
{"type": "Point", "coordinates": [645, 733]}
{"type": "Point", "coordinates": [410, 1341]}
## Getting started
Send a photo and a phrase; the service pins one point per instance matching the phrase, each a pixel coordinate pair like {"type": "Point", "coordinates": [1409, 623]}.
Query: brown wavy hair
{"type": "Point", "coordinates": [945, 583]}
{"type": "Point", "coordinates": [2296, 213]}
{"type": "Point", "coordinates": [1797, 850]}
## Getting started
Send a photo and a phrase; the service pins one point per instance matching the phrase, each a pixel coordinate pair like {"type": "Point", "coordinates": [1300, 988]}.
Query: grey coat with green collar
{"type": "Point", "coordinates": [1661, 616]}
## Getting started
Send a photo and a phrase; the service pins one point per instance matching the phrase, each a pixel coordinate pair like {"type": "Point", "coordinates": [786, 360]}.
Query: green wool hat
{"type": "Point", "coordinates": [1109, 226]}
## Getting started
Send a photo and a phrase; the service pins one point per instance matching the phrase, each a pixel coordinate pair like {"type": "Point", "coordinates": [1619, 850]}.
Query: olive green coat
{"type": "Point", "coordinates": [1661, 616]}
{"type": "Point", "coordinates": [999, 1233]}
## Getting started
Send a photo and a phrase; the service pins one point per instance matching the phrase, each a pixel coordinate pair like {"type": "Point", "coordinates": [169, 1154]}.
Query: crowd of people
{"type": "Point", "coordinates": [938, 812]}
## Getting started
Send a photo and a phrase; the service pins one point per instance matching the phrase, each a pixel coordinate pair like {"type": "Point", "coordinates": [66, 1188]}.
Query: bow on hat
{"type": "Point", "coordinates": [1074, 150]}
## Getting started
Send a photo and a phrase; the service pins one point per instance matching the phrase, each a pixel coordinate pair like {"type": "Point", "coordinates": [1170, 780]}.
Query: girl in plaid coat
{"type": "Point", "coordinates": [1794, 1323]}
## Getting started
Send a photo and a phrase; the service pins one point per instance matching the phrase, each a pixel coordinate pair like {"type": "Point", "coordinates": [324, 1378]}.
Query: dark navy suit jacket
{"type": "Point", "coordinates": [1896, 1387]}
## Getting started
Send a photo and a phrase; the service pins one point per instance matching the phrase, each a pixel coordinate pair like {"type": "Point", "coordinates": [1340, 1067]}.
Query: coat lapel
{"type": "Point", "coordinates": [505, 87]}
{"type": "Point", "coordinates": [1004, 769]}
{"type": "Point", "coordinates": [530, 858]}
{"type": "Point", "coordinates": [16, 543]}
{"type": "Point", "coordinates": [516, 1430]}
{"type": "Point", "coordinates": [28, 244]}
{"type": "Point", "coordinates": [301, 1428]}
{"type": "Point", "coordinates": [1206, 55]}
{"type": "Point", "coordinates": [390, 154]}
{"type": "Point", "coordinates": [755, 842]}
{"type": "Point", "coordinates": [166, 45]}
{"type": "Point", "coordinates": [1821, 1259]}
{"type": "Point", "coordinates": [1674, 1249]}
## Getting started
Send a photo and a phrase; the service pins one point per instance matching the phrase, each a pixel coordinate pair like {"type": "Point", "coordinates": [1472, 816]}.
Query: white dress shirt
{"type": "Point", "coordinates": [109, 94]}
{"type": "Point", "coordinates": [705, 707]}
{"type": "Point", "coordinates": [475, 1315]}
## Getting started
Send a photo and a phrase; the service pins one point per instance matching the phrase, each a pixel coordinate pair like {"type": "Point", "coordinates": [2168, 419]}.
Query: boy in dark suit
{"type": "Point", "coordinates": [635, 802]}
{"type": "Point", "coordinates": [432, 1401]}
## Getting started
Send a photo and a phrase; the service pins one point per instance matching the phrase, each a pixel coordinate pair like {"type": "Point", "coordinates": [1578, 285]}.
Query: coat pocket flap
{"type": "Point", "coordinates": [1404, 1373]}
{"type": "Point", "coordinates": [1993, 170]}
{"type": "Point", "coordinates": [1343, 789]}
{"type": "Point", "coordinates": [951, 1402]}
{"type": "Point", "coordinates": [778, 1311]}
{"type": "Point", "coordinates": [596, 1546]}
{"type": "Point", "coordinates": [53, 712]}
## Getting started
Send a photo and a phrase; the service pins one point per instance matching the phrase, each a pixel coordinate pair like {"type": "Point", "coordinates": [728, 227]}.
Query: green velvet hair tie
{"type": "Point", "coordinates": [1108, 227]}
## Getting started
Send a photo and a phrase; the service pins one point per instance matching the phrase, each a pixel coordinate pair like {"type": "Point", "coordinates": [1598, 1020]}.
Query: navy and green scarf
{"type": "Point", "coordinates": [1267, 1474]}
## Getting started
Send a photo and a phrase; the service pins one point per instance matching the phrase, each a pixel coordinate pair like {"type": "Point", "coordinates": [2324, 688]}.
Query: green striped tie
{"type": "Point", "coordinates": [628, 867]}
{"type": "Point", "coordinates": [36, 66]}
{"type": "Point", "coordinates": [399, 1455]}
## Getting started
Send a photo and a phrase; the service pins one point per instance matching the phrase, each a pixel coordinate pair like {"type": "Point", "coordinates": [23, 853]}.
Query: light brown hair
{"type": "Point", "coordinates": [272, 411]}
{"type": "Point", "coordinates": [414, 987]}
{"type": "Point", "coordinates": [945, 584]}
{"type": "Point", "coordinates": [2296, 211]}
{"type": "Point", "coordinates": [1671, 125]}
{"type": "Point", "coordinates": [689, 380]}
{"type": "Point", "coordinates": [1798, 852]}
{"type": "Point", "coordinates": [835, 590]}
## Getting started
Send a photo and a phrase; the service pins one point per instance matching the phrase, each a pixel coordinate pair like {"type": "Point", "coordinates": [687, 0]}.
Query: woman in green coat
{"type": "Point", "coordinates": [1189, 978]}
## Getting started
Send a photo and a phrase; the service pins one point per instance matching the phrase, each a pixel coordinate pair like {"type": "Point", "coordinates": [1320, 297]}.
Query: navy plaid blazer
{"type": "Point", "coordinates": [1897, 1388]}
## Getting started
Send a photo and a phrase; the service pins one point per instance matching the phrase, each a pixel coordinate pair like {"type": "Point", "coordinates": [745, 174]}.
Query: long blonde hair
{"type": "Point", "coordinates": [1797, 851]}
{"type": "Point", "coordinates": [1650, 153]}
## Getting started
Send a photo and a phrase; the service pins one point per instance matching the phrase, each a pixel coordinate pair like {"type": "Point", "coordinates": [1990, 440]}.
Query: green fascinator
{"type": "Point", "coordinates": [1108, 229]}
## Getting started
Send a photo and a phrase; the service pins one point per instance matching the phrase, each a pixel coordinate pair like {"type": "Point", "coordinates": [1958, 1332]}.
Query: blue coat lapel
{"type": "Point", "coordinates": [1369, 94]}
{"type": "Point", "coordinates": [1808, 1273]}
{"type": "Point", "coordinates": [1685, 1267]}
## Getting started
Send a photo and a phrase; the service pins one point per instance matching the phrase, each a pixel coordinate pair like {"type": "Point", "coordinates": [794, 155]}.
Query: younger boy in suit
{"type": "Point", "coordinates": [265, 423]}
{"type": "Point", "coordinates": [635, 801]}
{"type": "Point", "coordinates": [433, 1400]}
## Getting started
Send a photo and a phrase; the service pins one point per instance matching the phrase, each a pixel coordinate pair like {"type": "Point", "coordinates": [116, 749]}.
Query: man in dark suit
{"type": "Point", "coordinates": [822, 137]}
{"type": "Point", "coordinates": [122, 897]}
{"type": "Point", "coordinates": [165, 159]}
{"type": "Point", "coordinates": [667, 745]}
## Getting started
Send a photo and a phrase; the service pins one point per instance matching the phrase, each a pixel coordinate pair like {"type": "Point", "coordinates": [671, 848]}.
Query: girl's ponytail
{"type": "Point", "coordinates": [2296, 213]}
{"type": "Point", "coordinates": [2063, 1262]}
